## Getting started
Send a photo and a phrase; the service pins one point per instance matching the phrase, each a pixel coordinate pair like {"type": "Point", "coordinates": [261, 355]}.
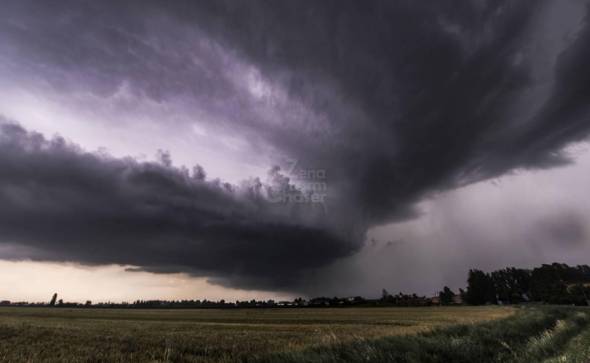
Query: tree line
{"type": "Point", "coordinates": [555, 283]}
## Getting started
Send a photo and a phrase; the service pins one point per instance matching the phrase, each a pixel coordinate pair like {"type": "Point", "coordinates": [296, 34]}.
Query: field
{"type": "Point", "coordinates": [88, 335]}
{"type": "Point", "coordinates": [437, 334]}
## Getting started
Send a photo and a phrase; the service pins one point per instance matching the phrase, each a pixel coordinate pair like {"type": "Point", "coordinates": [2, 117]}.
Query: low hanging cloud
{"type": "Point", "coordinates": [393, 100]}
{"type": "Point", "coordinates": [71, 205]}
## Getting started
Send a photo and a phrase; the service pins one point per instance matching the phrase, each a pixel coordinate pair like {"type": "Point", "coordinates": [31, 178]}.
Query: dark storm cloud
{"type": "Point", "coordinates": [400, 99]}
{"type": "Point", "coordinates": [78, 206]}
{"type": "Point", "coordinates": [432, 87]}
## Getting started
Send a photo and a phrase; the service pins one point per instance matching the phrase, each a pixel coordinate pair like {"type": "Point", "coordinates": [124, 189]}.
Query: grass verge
{"type": "Point", "coordinates": [532, 335]}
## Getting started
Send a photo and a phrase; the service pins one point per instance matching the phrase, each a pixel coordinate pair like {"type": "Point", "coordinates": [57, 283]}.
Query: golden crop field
{"type": "Point", "coordinates": [208, 335]}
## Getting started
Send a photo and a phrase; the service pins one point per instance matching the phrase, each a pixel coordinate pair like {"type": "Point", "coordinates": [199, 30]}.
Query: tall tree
{"type": "Point", "coordinates": [511, 284]}
{"type": "Point", "coordinates": [480, 288]}
{"type": "Point", "coordinates": [548, 283]}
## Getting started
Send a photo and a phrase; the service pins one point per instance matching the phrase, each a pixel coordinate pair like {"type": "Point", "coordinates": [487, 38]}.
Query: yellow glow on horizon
{"type": "Point", "coordinates": [37, 281]}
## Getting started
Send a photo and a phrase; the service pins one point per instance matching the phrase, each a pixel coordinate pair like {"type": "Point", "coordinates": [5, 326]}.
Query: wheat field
{"type": "Point", "coordinates": [208, 335]}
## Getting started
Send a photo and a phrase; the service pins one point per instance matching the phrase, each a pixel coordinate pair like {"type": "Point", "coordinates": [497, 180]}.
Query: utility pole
{"type": "Point", "coordinates": [52, 302]}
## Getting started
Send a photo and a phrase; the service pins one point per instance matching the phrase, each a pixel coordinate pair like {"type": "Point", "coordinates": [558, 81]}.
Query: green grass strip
{"type": "Point", "coordinates": [531, 335]}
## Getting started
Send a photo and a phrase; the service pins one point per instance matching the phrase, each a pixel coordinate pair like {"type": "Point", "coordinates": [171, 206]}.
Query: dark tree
{"type": "Point", "coordinates": [579, 294]}
{"type": "Point", "coordinates": [446, 296]}
{"type": "Point", "coordinates": [480, 288]}
{"type": "Point", "coordinates": [511, 285]}
{"type": "Point", "coordinates": [549, 283]}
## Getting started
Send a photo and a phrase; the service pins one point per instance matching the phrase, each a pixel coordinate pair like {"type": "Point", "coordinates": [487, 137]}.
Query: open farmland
{"type": "Point", "coordinates": [209, 335]}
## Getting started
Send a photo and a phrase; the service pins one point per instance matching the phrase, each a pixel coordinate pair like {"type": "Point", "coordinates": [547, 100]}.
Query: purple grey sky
{"type": "Point", "coordinates": [296, 147]}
